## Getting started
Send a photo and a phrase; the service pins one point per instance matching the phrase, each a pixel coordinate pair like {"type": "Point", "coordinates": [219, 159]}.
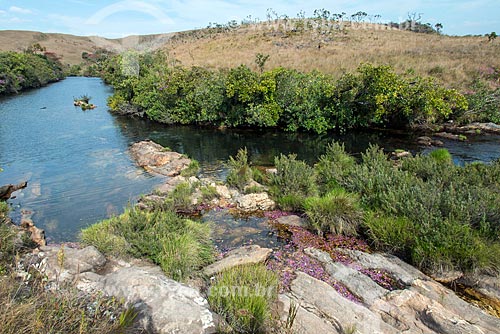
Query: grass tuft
{"type": "Point", "coordinates": [243, 295]}
{"type": "Point", "coordinates": [179, 246]}
{"type": "Point", "coordinates": [337, 212]}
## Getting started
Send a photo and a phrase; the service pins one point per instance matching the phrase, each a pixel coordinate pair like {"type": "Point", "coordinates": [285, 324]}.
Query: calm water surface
{"type": "Point", "coordinates": [79, 171]}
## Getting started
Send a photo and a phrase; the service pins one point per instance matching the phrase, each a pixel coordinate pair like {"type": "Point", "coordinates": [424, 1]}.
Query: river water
{"type": "Point", "coordinates": [78, 167]}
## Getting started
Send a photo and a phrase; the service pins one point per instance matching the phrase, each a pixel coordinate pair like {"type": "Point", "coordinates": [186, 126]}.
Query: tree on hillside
{"type": "Point", "coordinates": [439, 27]}
{"type": "Point", "coordinates": [260, 60]}
{"type": "Point", "coordinates": [491, 36]}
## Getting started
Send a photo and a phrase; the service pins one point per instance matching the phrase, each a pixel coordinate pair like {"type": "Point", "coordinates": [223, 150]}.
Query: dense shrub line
{"type": "Point", "coordinates": [283, 98]}
{"type": "Point", "coordinates": [428, 211]}
{"type": "Point", "coordinates": [20, 71]}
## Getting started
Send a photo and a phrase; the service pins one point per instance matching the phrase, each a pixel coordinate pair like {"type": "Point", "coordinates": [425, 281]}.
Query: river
{"type": "Point", "coordinates": [78, 167]}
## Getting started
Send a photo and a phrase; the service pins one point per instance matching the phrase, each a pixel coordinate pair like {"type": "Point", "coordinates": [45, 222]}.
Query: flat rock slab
{"type": "Point", "coordinates": [338, 313]}
{"type": "Point", "coordinates": [358, 283]}
{"type": "Point", "coordinates": [400, 269]}
{"type": "Point", "coordinates": [292, 220]}
{"type": "Point", "coordinates": [165, 305]}
{"type": "Point", "coordinates": [239, 256]}
{"type": "Point", "coordinates": [154, 158]}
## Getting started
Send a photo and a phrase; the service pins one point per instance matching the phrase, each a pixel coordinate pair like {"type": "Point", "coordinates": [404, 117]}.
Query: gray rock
{"type": "Point", "coordinates": [401, 270]}
{"type": "Point", "coordinates": [358, 283]}
{"type": "Point", "coordinates": [165, 305]}
{"type": "Point", "coordinates": [63, 263]}
{"type": "Point", "coordinates": [239, 256]}
{"type": "Point", "coordinates": [255, 202]}
{"type": "Point", "coordinates": [339, 313]}
{"type": "Point", "coordinates": [489, 285]}
{"type": "Point", "coordinates": [292, 220]}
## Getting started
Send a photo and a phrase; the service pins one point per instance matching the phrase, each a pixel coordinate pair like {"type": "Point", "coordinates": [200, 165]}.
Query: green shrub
{"type": "Point", "coordinates": [208, 193]}
{"type": "Point", "coordinates": [243, 295]}
{"type": "Point", "coordinates": [333, 166]}
{"type": "Point", "coordinates": [7, 246]}
{"type": "Point", "coordinates": [192, 169]}
{"type": "Point", "coordinates": [388, 233]}
{"type": "Point", "coordinates": [442, 156]}
{"type": "Point", "coordinates": [338, 212]}
{"type": "Point", "coordinates": [178, 245]}
{"type": "Point", "coordinates": [179, 199]}
{"type": "Point", "coordinates": [240, 173]}
{"type": "Point", "coordinates": [293, 182]}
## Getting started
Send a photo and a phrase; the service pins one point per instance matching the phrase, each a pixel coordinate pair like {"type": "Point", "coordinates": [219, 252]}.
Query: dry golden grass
{"type": "Point", "coordinates": [453, 60]}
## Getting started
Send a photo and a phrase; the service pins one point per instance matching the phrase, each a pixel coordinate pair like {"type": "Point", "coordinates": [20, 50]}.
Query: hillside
{"type": "Point", "coordinates": [453, 60]}
{"type": "Point", "coordinates": [70, 47]}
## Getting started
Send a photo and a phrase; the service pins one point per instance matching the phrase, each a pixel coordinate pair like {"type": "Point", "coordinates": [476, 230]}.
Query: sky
{"type": "Point", "coordinates": [113, 19]}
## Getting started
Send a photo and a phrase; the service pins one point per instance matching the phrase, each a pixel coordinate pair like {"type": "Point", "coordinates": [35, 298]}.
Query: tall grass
{"type": "Point", "coordinates": [180, 246]}
{"type": "Point", "coordinates": [338, 212]}
{"type": "Point", "coordinates": [243, 295]}
{"type": "Point", "coordinates": [32, 309]}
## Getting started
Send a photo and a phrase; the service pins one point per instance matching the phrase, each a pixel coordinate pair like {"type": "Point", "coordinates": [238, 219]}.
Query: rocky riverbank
{"type": "Point", "coordinates": [331, 285]}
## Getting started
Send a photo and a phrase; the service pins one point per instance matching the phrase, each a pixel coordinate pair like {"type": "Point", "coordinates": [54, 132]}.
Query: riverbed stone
{"type": "Point", "coordinates": [255, 202]}
{"type": "Point", "coordinates": [292, 220]}
{"type": "Point", "coordinates": [240, 256]}
{"type": "Point", "coordinates": [154, 158]}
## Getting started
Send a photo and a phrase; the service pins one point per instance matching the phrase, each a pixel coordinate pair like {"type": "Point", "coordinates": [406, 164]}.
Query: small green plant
{"type": "Point", "coordinates": [293, 182]}
{"type": "Point", "coordinates": [192, 169]}
{"type": "Point", "coordinates": [338, 212]}
{"type": "Point", "coordinates": [243, 295]}
{"type": "Point", "coordinates": [253, 189]}
{"type": "Point", "coordinates": [127, 317]}
{"type": "Point", "coordinates": [240, 173]}
{"type": "Point", "coordinates": [260, 60]}
{"type": "Point", "coordinates": [441, 156]}
{"type": "Point", "coordinates": [208, 193]}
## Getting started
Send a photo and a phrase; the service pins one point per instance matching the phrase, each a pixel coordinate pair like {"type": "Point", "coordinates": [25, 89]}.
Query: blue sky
{"type": "Point", "coordinates": [127, 17]}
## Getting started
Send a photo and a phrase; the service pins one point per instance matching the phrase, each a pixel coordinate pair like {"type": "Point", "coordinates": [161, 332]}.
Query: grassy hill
{"type": "Point", "coordinates": [453, 60]}
{"type": "Point", "coordinates": [70, 47]}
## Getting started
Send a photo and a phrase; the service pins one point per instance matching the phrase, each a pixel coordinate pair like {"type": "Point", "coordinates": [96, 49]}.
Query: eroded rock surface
{"type": "Point", "coordinates": [154, 158]}
{"type": "Point", "coordinates": [164, 305]}
{"type": "Point", "coordinates": [255, 202]}
{"type": "Point", "coordinates": [422, 306]}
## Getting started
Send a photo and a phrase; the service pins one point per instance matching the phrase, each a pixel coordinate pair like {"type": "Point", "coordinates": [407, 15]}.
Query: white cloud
{"type": "Point", "coordinates": [19, 10]}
